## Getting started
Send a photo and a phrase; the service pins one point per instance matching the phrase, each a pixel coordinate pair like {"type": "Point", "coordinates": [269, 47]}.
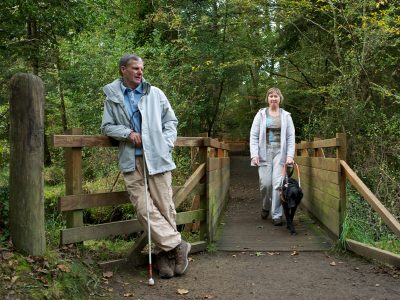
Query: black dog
{"type": "Point", "coordinates": [291, 195]}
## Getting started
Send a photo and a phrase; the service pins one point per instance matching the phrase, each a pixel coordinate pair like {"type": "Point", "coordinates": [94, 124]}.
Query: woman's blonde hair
{"type": "Point", "coordinates": [274, 90]}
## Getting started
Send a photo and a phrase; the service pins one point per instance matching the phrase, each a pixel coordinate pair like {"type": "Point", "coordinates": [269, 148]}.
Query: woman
{"type": "Point", "coordinates": [272, 144]}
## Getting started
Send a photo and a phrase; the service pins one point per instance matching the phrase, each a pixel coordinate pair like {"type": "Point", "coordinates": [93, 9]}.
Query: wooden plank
{"type": "Point", "coordinates": [213, 164]}
{"type": "Point", "coordinates": [189, 142]}
{"type": "Point", "coordinates": [79, 140]}
{"type": "Point", "coordinates": [319, 152]}
{"type": "Point", "coordinates": [214, 143]}
{"type": "Point", "coordinates": [202, 158]}
{"type": "Point", "coordinates": [190, 184]}
{"type": "Point", "coordinates": [83, 201]}
{"type": "Point", "coordinates": [328, 218]}
{"type": "Point", "coordinates": [375, 253]}
{"type": "Point", "coordinates": [99, 231]}
{"type": "Point", "coordinates": [322, 185]}
{"type": "Point", "coordinates": [387, 217]}
{"type": "Point", "coordinates": [303, 151]}
{"type": "Point", "coordinates": [193, 226]}
{"type": "Point", "coordinates": [334, 142]}
{"type": "Point", "coordinates": [322, 174]}
{"type": "Point", "coordinates": [73, 179]}
{"type": "Point", "coordinates": [322, 199]}
{"type": "Point", "coordinates": [341, 154]}
{"type": "Point", "coordinates": [329, 164]}
{"type": "Point", "coordinates": [216, 163]}
{"type": "Point", "coordinates": [74, 202]}
{"type": "Point", "coordinates": [237, 146]}
{"type": "Point", "coordinates": [217, 176]}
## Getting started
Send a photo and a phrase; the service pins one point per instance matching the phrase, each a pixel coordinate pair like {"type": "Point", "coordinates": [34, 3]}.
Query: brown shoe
{"type": "Point", "coordinates": [166, 264]}
{"type": "Point", "coordinates": [181, 257]}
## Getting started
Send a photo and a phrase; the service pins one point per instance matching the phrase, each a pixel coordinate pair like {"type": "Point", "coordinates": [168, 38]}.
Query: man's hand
{"type": "Point", "coordinates": [255, 161]}
{"type": "Point", "coordinates": [289, 160]}
{"type": "Point", "coordinates": [136, 139]}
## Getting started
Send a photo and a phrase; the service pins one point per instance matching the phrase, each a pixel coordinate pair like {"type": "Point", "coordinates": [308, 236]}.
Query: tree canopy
{"type": "Point", "coordinates": [336, 61]}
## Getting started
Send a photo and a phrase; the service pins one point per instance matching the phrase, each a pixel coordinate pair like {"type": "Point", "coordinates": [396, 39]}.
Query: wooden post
{"type": "Point", "coordinates": [195, 162]}
{"type": "Point", "coordinates": [319, 152]}
{"type": "Point", "coordinates": [203, 199]}
{"type": "Point", "coordinates": [304, 152]}
{"type": "Point", "coordinates": [73, 179]}
{"type": "Point", "coordinates": [26, 164]}
{"type": "Point", "coordinates": [341, 154]}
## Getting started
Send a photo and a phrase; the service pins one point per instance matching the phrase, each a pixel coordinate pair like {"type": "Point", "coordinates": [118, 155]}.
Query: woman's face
{"type": "Point", "coordinates": [274, 99]}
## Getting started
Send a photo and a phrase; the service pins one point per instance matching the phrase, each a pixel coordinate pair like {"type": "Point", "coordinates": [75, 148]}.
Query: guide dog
{"type": "Point", "coordinates": [291, 195]}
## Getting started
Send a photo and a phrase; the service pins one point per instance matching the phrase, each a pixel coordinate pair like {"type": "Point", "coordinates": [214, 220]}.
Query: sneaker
{"type": "Point", "coordinates": [181, 257]}
{"type": "Point", "coordinates": [166, 264]}
{"type": "Point", "coordinates": [277, 222]}
{"type": "Point", "coordinates": [264, 214]}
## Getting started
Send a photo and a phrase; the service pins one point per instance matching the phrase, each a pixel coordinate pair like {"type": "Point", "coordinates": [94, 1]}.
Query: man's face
{"type": "Point", "coordinates": [132, 74]}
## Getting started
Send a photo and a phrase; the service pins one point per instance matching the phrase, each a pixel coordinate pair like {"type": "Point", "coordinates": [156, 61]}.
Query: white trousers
{"type": "Point", "coordinates": [270, 179]}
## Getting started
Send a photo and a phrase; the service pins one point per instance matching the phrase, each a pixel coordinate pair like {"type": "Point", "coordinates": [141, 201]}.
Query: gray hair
{"type": "Point", "coordinates": [124, 60]}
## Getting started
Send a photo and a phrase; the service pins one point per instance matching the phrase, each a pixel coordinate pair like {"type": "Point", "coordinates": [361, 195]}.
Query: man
{"type": "Point", "coordinates": [141, 118]}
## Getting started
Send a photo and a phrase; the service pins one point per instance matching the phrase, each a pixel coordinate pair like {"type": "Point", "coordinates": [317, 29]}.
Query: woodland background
{"type": "Point", "coordinates": [337, 63]}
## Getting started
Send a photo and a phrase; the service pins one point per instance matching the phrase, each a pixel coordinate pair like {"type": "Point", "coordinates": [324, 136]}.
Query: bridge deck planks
{"type": "Point", "coordinates": [242, 228]}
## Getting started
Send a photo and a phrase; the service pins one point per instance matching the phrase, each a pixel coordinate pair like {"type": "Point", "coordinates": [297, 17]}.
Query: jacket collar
{"type": "Point", "coordinates": [114, 93]}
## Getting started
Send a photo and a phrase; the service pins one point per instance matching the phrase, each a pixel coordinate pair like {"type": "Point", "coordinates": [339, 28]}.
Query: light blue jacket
{"type": "Point", "coordinates": [258, 136]}
{"type": "Point", "coordinates": [158, 127]}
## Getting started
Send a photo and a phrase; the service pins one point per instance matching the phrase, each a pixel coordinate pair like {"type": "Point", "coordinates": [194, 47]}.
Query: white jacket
{"type": "Point", "coordinates": [258, 136]}
{"type": "Point", "coordinates": [158, 127]}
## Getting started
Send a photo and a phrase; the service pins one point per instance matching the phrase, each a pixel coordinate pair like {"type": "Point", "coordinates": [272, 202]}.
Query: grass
{"type": "Point", "coordinates": [366, 226]}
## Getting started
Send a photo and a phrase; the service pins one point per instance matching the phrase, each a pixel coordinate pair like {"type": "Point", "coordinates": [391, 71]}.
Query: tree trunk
{"type": "Point", "coordinates": [26, 164]}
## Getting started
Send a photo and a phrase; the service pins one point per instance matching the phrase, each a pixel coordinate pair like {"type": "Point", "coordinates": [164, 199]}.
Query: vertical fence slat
{"type": "Point", "coordinates": [202, 158]}
{"type": "Point", "coordinates": [341, 154]}
{"type": "Point", "coordinates": [73, 179]}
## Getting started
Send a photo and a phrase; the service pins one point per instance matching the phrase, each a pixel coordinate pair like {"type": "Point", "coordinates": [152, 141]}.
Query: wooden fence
{"type": "Point", "coordinates": [322, 180]}
{"type": "Point", "coordinates": [209, 184]}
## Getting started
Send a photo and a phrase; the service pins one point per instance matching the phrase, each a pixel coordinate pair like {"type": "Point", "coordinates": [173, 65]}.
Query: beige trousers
{"type": "Point", "coordinates": [162, 212]}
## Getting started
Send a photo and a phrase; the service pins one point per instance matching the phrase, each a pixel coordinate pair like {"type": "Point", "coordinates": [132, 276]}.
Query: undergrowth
{"type": "Point", "coordinates": [364, 225]}
{"type": "Point", "coordinates": [70, 271]}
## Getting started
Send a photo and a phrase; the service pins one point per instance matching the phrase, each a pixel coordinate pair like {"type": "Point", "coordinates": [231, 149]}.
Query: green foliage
{"type": "Point", "coordinates": [366, 226]}
{"type": "Point", "coordinates": [4, 214]}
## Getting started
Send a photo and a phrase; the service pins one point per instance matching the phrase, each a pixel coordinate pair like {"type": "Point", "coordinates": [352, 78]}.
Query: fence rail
{"type": "Point", "coordinates": [208, 185]}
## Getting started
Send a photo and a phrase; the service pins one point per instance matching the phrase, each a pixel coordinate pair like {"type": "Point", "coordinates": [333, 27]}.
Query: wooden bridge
{"type": "Point", "coordinates": [324, 175]}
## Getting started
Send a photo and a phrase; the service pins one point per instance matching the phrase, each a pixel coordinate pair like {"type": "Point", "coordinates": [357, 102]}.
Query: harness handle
{"type": "Point", "coordinates": [285, 175]}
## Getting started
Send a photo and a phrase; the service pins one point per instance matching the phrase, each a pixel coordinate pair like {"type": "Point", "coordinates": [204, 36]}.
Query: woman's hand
{"type": "Point", "coordinates": [255, 161]}
{"type": "Point", "coordinates": [289, 160]}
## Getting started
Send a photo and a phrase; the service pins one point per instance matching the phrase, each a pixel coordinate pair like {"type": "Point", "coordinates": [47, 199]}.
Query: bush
{"type": "Point", "coordinates": [4, 214]}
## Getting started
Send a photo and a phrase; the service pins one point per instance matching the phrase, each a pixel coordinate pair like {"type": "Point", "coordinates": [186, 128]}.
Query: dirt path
{"type": "Point", "coordinates": [260, 274]}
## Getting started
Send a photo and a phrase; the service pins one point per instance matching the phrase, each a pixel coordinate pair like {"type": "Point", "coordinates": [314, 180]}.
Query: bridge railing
{"type": "Point", "coordinates": [322, 181]}
{"type": "Point", "coordinates": [381, 210]}
{"type": "Point", "coordinates": [208, 185]}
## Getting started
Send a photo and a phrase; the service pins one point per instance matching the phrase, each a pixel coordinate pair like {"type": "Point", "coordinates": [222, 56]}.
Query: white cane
{"type": "Point", "coordinates": [151, 280]}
